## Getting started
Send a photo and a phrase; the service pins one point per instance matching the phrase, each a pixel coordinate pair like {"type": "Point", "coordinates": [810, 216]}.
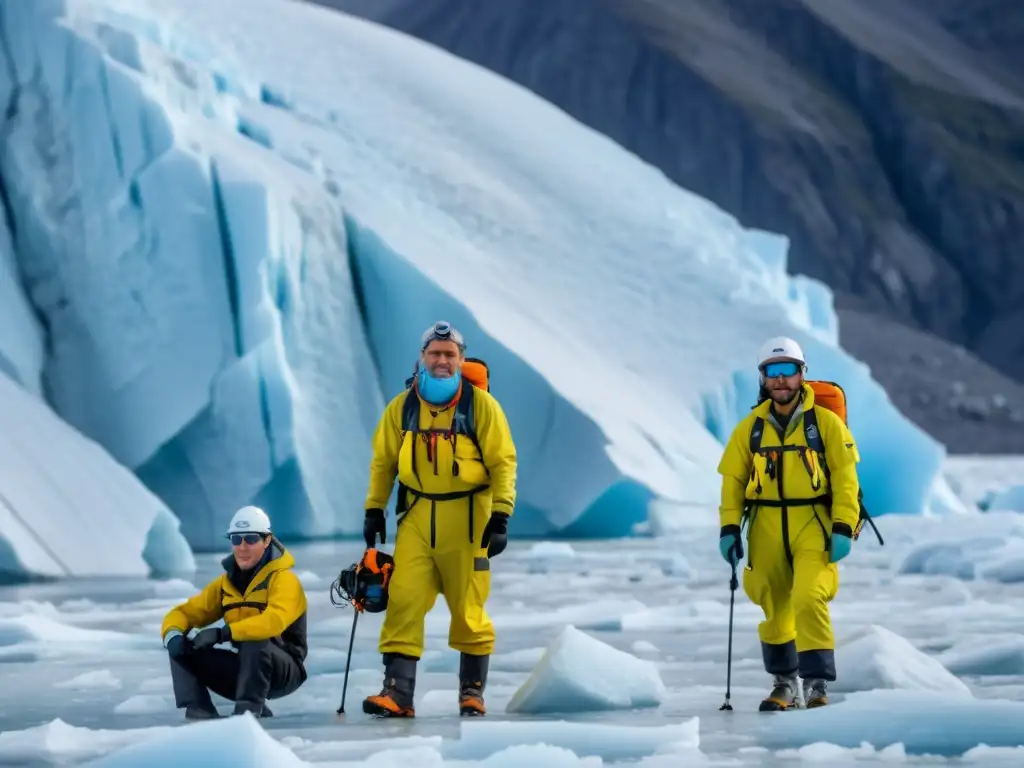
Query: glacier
{"type": "Point", "coordinates": [66, 506]}
{"type": "Point", "coordinates": [230, 222]}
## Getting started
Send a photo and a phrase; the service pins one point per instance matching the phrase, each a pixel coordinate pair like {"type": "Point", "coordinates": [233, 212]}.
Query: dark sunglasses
{"type": "Point", "coordinates": [772, 370]}
{"type": "Point", "coordinates": [248, 538]}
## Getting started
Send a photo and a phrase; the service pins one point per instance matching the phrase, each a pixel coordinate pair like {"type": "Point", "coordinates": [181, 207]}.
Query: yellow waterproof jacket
{"type": "Point", "coordinates": [786, 469]}
{"type": "Point", "coordinates": [272, 606]}
{"type": "Point", "coordinates": [435, 462]}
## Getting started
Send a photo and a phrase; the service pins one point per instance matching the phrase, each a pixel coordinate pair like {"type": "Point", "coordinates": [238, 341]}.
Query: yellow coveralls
{"type": "Point", "coordinates": [788, 573]}
{"type": "Point", "coordinates": [437, 548]}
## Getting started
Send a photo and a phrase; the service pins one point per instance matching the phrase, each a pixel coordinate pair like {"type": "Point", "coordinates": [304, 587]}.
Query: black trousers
{"type": "Point", "coordinates": [259, 671]}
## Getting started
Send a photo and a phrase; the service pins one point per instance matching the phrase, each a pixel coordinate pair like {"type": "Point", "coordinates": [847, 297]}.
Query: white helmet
{"type": "Point", "coordinates": [249, 520]}
{"type": "Point", "coordinates": [780, 348]}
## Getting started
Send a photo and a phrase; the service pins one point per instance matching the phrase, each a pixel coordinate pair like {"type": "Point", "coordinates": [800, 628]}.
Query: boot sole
{"type": "Point", "coordinates": [376, 710]}
{"type": "Point", "coordinates": [771, 705]}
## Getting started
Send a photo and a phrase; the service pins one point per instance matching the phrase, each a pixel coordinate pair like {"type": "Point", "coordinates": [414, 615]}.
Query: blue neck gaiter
{"type": "Point", "coordinates": [437, 391]}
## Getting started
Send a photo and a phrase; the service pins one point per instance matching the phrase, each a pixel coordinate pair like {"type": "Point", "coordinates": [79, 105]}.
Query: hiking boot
{"type": "Point", "coordinates": [241, 709]}
{"type": "Point", "coordinates": [201, 713]}
{"type": "Point", "coordinates": [815, 693]}
{"type": "Point", "coordinates": [783, 695]}
{"type": "Point", "coordinates": [472, 680]}
{"type": "Point", "coordinates": [396, 697]}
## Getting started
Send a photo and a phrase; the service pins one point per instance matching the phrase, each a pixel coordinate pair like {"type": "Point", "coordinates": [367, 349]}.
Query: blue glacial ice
{"type": "Point", "coordinates": [68, 509]}
{"type": "Point", "coordinates": [231, 229]}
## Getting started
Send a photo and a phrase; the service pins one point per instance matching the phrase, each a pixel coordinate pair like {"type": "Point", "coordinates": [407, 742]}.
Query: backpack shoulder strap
{"type": "Point", "coordinates": [465, 416]}
{"type": "Point", "coordinates": [812, 433]}
{"type": "Point", "coordinates": [756, 433]}
{"type": "Point", "coordinates": [411, 412]}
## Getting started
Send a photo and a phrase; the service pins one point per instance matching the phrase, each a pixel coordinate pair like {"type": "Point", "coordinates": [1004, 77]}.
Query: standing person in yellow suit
{"type": "Point", "coordinates": [449, 444]}
{"type": "Point", "coordinates": [802, 510]}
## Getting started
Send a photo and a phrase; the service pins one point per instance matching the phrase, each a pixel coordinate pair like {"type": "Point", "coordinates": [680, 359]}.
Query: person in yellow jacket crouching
{"type": "Point", "coordinates": [802, 509]}
{"type": "Point", "coordinates": [264, 609]}
{"type": "Point", "coordinates": [447, 441]}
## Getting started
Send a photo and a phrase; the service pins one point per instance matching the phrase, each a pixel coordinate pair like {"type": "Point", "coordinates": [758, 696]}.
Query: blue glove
{"type": "Point", "coordinates": [730, 545]}
{"type": "Point", "coordinates": [842, 542]}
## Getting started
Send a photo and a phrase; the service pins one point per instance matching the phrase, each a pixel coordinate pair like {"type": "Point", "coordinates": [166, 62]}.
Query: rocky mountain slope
{"type": "Point", "coordinates": [886, 139]}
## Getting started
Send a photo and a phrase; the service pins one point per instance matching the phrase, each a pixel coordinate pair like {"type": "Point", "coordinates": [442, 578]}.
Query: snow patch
{"type": "Point", "coordinates": [481, 739]}
{"type": "Point", "coordinates": [874, 657]}
{"type": "Point", "coordinates": [996, 556]}
{"type": "Point", "coordinates": [579, 673]}
{"type": "Point", "coordinates": [64, 743]}
{"type": "Point", "coordinates": [96, 680]}
{"type": "Point", "coordinates": [919, 720]}
{"type": "Point", "coordinates": [229, 741]}
{"type": "Point", "coordinates": [987, 656]}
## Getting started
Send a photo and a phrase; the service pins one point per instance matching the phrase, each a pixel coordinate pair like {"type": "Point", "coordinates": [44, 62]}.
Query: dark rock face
{"type": "Point", "coordinates": [886, 139]}
{"type": "Point", "coordinates": [959, 400]}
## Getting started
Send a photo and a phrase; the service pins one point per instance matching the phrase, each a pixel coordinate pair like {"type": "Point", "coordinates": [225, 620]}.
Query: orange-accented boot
{"type": "Point", "coordinates": [783, 695]}
{"type": "Point", "coordinates": [815, 693]}
{"type": "Point", "coordinates": [396, 698]}
{"type": "Point", "coordinates": [472, 680]}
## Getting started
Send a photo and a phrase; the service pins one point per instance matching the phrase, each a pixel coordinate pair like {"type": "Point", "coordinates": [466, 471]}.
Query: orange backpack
{"type": "Point", "coordinates": [829, 395]}
{"type": "Point", "coordinates": [476, 372]}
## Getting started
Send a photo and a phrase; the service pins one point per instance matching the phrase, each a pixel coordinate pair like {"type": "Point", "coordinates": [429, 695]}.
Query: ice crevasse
{"type": "Point", "coordinates": [230, 222]}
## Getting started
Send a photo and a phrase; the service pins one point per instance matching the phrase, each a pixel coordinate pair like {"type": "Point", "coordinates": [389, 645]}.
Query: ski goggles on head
{"type": "Point", "coordinates": [248, 538]}
{"type": "Point", "coordinates": [781, 368]}
{"type": "Point", "coordinates": [443, 331]}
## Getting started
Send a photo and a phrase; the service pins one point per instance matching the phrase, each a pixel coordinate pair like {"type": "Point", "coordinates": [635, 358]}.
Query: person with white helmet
{"type": "Point", "coordinates": [789, 471]}
{"type": "Point", "coordinates": [263, 606]}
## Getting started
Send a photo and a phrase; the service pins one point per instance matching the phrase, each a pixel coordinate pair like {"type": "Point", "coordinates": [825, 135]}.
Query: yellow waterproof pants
{"type": "Point", "coordinates": [794, 597]}
{"type": "Point", "coordinates": [455, 567]}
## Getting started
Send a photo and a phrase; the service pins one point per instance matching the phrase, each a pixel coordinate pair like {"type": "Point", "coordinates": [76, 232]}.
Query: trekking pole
{"type": "Point", "coordinates": [733, 585]}
{"type": "Point", "coordinates": [348, 661]}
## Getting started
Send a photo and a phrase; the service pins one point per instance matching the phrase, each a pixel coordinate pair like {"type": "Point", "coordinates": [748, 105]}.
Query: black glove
{"type": "Point", "coordinates": [495, 535]}
{"type": "Point", "coordinates": [178, 647]}
{"type": "Point", "coordinates": [211, 636]}
{"type": "Point", "coordinates": [372, 525]}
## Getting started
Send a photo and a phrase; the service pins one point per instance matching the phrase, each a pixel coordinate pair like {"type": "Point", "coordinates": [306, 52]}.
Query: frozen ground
{"type": "Point", "coordinates": [88, 653]}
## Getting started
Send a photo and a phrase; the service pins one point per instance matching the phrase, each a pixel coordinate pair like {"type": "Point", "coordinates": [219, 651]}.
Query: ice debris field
{"type": "Point", "coordinates": [608, 654]}
{"type": "Point", "coordinates": [223, 224]}
{"type": "Point", "coordinates": [232, 221]}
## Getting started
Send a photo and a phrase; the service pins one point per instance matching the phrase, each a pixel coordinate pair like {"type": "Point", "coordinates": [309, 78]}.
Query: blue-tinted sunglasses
{"type": "Point", "coordinates": [248, 538]}
{"type": "Point", "coordinates": [784, 368]}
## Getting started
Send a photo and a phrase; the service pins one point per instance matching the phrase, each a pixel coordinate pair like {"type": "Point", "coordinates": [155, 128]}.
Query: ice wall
{"type": "Point", "coordinates": [68, 509]}
{"type": "Point", "coordinates": [171, 265]}
{"type": "Point", "coordinates": [234, 245]}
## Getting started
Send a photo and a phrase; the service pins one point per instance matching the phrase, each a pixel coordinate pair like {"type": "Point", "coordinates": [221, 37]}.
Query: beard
{"type": "Point", "coordinates": [783, 396]}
